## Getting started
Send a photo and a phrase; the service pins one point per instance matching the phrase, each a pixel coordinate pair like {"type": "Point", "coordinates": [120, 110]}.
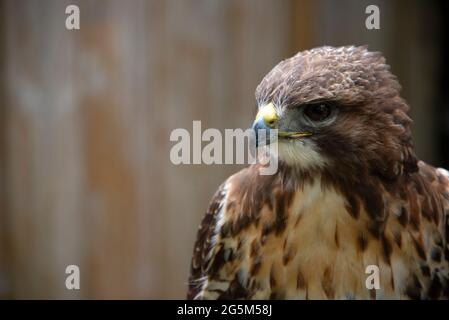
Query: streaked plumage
{"type": "Point", "coordinates": [352, 194]}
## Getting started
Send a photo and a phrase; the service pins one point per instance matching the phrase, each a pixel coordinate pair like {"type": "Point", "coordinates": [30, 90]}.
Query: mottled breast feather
{"type": "Point", "coordinates": [272, 237]}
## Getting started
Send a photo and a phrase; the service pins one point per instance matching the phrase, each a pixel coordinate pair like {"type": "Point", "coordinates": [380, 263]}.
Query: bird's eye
{"type": "Point", "coordinates": [317, 112]}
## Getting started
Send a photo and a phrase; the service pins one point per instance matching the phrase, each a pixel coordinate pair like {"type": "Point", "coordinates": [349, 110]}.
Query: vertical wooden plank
{"type": "Point", "coordinates": [124, 149]}
{"type": "Point", "coordinates": [43, 151]}
{"type": "Point", "coordinates": [416, 58]}
{"type": "Point", "coordinates": [302, 25]}
{"type": "Point", "coordinates": [5, 270]}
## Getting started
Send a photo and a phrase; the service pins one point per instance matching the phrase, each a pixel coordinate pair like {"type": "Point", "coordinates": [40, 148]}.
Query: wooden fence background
{"type": "Point", "coordinates": [85, 119]}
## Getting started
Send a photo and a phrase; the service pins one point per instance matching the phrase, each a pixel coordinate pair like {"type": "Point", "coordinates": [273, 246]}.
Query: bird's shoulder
{"type": "Point", "coordinates": [221, 218]}
{"type": "Point", "coordinates": [431, 191]}
{"type": "Point", "coordinates": [203, 243]}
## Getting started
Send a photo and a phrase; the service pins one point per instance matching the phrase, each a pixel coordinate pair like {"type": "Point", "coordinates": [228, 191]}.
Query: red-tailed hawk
{"type": "Point", "coordinates": [349, 193]}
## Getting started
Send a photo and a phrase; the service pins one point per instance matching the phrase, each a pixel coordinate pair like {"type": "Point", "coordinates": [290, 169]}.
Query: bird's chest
{"type": "Point", "coordinates": [322, 252]}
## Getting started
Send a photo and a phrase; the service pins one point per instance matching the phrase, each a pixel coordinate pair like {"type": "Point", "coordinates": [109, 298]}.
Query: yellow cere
{"type": "Point", "coordinates": [268, 114]}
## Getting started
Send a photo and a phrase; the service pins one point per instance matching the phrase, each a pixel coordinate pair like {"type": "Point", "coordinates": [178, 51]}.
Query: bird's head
{"type": "Point", "coordinates": [337, 109]}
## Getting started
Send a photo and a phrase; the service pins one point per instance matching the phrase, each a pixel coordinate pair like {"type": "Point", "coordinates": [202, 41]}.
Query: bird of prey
{"type": "Point", "coordinates": [349, 193]}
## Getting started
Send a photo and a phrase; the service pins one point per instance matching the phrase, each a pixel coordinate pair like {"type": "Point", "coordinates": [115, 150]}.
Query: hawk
{"type": "Point", "coordinates": [349, 193]}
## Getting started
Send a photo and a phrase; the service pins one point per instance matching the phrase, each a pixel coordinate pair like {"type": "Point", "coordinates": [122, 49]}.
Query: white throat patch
{"type": "Point", "coordinates": [300, 153]}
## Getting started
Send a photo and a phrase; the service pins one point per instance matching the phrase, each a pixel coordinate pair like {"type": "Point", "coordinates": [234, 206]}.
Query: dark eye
{"type": "Point", "coordinates": [318, 111]}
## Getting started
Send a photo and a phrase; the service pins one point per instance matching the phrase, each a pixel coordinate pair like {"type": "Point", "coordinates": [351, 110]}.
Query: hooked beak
{"type": "Point", "coordinates": [266, 121]}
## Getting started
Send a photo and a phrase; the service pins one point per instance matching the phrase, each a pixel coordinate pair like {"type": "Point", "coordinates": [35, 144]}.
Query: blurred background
{"type": "Point", "coordinates": [86, 115]}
